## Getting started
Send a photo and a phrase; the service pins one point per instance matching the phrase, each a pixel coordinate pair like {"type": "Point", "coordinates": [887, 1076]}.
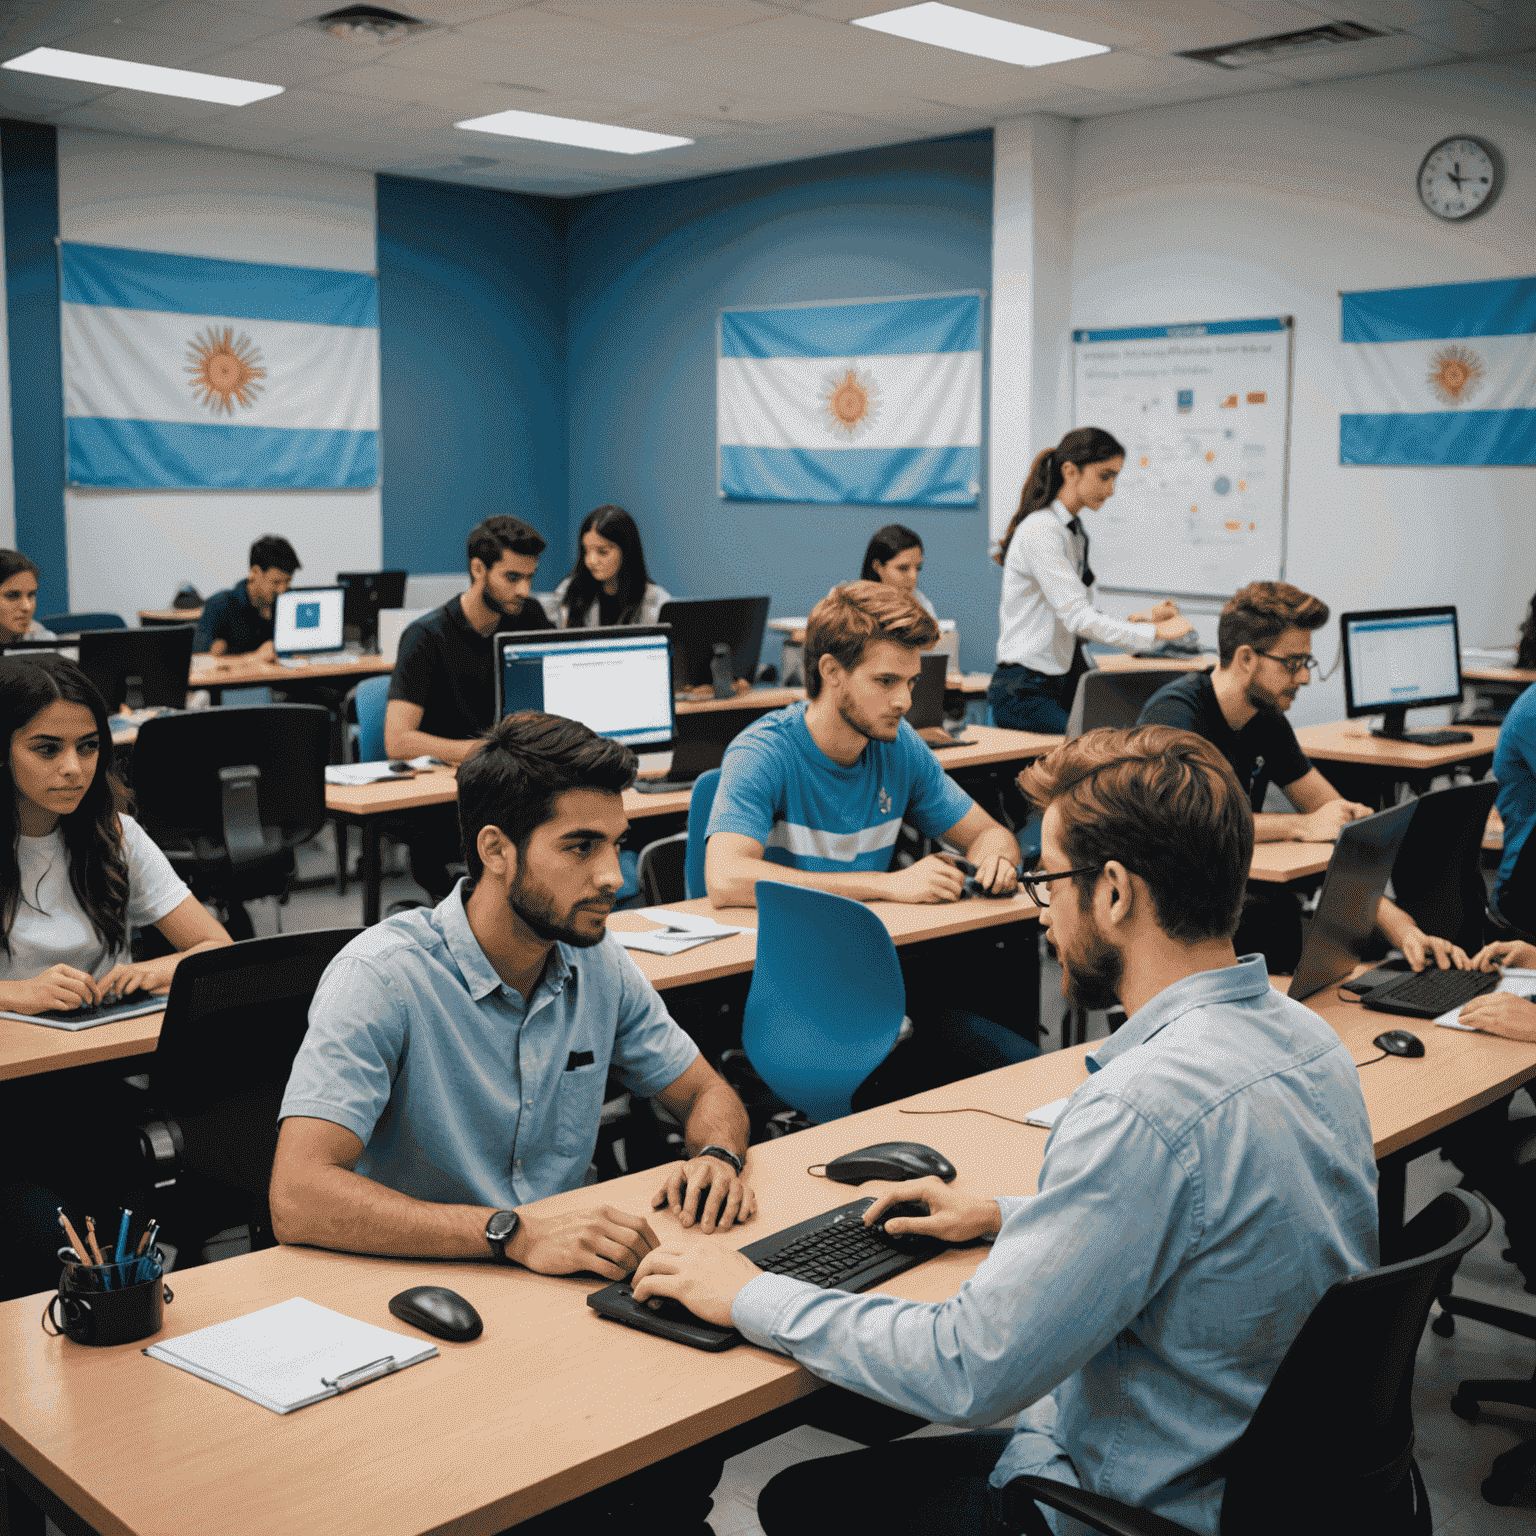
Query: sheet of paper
{"type": "Point", "coordinates": [1522, 983]}
{"type": "Point", "coordinates": [699, 923]}
{"type": "Point", "coordinates": [1046, 1116]}
{"type": "Point", "coordinates": [360, 773]}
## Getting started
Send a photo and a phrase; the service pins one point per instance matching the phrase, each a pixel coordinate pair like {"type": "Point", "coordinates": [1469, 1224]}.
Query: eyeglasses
{"type": "Point", "coordinates": [1292, 664]}
{"type": "Point", "coordinates": [1036, 885]}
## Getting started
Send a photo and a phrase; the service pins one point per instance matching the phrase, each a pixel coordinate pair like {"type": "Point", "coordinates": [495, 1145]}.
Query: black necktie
{"type": "Point", "coordinates": [1075, 525]}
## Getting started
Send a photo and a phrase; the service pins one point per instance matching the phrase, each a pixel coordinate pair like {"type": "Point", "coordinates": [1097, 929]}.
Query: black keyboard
{"type": "Point", "coordinates": [835, 1251]}
{"type": "Point", "coordinates": [1429, 993]}
{"type": "Point", "coordinates": [1428, 738]}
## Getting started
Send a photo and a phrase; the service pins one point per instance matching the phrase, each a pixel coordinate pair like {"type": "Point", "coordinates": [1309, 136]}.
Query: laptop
{"type": "Point", "coordinates": [926, 715]}
{"type": "Point", "coordinates": [1345, 919]}
{"type": "Point", "coordinates": [307, 622]}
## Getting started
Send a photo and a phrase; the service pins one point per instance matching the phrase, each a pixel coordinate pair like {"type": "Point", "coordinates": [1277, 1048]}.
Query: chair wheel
{"type": "Point", "coordinates": [1497, 1491]}
{"type": "Point", "coordinates": [1444, 1325]}
{"type": "Point", "coordinates": [1465, 1408]}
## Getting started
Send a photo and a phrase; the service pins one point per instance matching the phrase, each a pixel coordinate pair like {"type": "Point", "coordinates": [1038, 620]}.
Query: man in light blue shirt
{"type": "Point", "coordinates": [1204, 1186]}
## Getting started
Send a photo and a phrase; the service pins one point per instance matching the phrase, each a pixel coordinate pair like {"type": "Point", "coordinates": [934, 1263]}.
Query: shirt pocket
{"type": "Point", "coordinates": [579, 1109]}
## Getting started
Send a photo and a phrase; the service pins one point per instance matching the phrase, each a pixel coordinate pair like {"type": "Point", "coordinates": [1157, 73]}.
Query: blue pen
{"type": "Point", "coordinates": [122, 1238]}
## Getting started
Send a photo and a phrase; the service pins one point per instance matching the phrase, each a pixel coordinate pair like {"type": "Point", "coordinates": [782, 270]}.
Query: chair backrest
{"type": "Point", "coordinates": [372, 700]}
{"type": "Point", "coordinates": [1517, 903]}
{"type": "Point", "coordinates": [177, 758]}
{"type": "Point", "coordinates": [827, 997]}
{"type": "Point", "coordinates": [660, 871]}
{"type": "Point", "coordinates": [234, 1021]}
{"type": "Point", "coordinates": [1330, 1448]}
{"type": "Point", "coordinates": [700, 802]}
{"type": "Point", "coordinates": [73, 623]}
{"type": "Point", "coordinates": [1111, 698]}
{"type": "Point", "coordinates": [1437, 878]}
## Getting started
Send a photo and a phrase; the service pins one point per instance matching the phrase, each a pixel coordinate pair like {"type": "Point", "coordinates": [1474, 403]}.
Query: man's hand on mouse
{"type": "Point", "coordinates": [955, 1214]}
{"type": "Point", "coordinates": [607, 1241]}
{"type": "Point", "coordinates": [708, 1192]}
{"type": "Point", "coordinates": [1501, 1013]}
{"type": "Point", "coordinates": [705, 1277]}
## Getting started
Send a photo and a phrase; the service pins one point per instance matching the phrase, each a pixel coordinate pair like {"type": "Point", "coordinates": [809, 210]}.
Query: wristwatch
{"type": "Point", "coordinates": [725, 1157]}
{"type": "Point", "coordinates": [500, 1230]}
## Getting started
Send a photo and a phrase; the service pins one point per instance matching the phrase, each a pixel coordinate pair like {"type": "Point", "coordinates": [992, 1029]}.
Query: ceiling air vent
{"type": "Point", "coordinates": [1283, 45]}
{"type": "Point", "coordinates": [369, 24]}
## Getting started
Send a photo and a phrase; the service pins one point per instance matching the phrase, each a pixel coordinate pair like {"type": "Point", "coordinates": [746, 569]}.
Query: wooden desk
{"type": "Point", "coordinates": [1123, 661]}
{"type": "Point", "coordinates": [761, 699]}
{"type": "Point", "coordinates": [1517, 675]}
{"type": "Point", "coordinates": [217, 673]}
{"type": "Point", "coordinates": [1348, 741]}
{"type": "Point", "coordinates": [551, 1401]}
{"type": "Point", "coordinates": [149, 617]}
{"type": "Point", "coordinates": [1277, 863]}
{"type": "Point", "coordinates": [27, 1049]}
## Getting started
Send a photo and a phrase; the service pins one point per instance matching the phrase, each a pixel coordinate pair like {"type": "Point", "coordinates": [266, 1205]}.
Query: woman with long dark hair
{"type": "Point", "coordinates": [18, 599]}
{"type": "Point", "coordinates": [609, 583]}
{"type": "Point", "coordinates": [76, 874]}
{"type": "Point", "coordinates": [1047, 611]}
{"type": "Point", "coordinates": [895, 559]}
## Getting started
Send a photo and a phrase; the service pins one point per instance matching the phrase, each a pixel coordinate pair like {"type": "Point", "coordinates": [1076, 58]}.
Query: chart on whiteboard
{"type": "Point", "coordinates": [1203, 411]}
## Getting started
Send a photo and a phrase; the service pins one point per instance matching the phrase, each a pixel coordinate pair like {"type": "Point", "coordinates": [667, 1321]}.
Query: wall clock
{"type": "Point", "coordinates": [1460, 176]}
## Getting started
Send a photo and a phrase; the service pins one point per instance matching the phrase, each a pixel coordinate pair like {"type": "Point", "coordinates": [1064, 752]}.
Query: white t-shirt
{"type": "Point", "coordinates": [52, 929]}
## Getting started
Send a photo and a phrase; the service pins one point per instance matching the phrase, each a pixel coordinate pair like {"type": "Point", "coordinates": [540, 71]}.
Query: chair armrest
{"type": "Point", "coordinates": [1103, 1514]}
{"type": "Point", "coordinates": [163, 1150]}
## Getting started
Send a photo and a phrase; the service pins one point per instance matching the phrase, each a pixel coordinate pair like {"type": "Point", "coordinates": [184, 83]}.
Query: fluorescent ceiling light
{"type": "Point", "coordinates": [95, 70]}
{"type": "Point", "coordinates": [947, 26]}
{"type": "Point", "coordinates": [572, 130]}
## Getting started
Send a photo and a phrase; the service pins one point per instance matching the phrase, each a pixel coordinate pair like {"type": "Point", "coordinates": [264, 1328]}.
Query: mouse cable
{"type": "Point", "coordinates": [971, 1109]}
{"type": "Point", "coordinates": [1373, 1059]}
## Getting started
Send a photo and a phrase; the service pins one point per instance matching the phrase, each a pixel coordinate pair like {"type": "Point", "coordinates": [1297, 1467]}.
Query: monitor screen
{"type": "Point", "coordinates": [139, 667]}
{"type": "Point", "coordinates": [1401, 658]}
{"type": "Point", "coordinates": [700, 624]}
{"type": "Point", "coordinates": [617, 682]}
{"type": "Point", "coordinates": [307, 619]}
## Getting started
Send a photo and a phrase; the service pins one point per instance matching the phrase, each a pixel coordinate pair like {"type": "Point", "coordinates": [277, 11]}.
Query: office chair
{"type": "Point", "coordinates": [1112, 698]}
{"type": "Point", "coordinates": [73, 623]}
{"type": "Point", "coordinates": [660, 872]}
{"type": "Point", "coordinates": [1515, 916]}
{"type": "Point", "coordinates": [365, 705]}
{"type": "Point", "coordinates": [234, 1021]}
{"type": "Point", "coordinates": [1329, 1450]}
{"type": "Point", "coordinates": [1437, 878]}
{"type": "Point", "coordinates": [230, 793]}
{"type": "Point", "coordinates": [826, 1001]}
{"type": "Point", "coordinates": [700, 803]}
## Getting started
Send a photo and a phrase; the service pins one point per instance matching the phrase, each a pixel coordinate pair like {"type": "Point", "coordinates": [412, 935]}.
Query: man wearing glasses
{"type": "Point", "coordinates": [1264, 641]}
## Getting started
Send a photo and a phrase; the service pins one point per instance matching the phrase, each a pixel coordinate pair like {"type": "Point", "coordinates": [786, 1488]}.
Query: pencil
{"type": "Point", "coordinates": [90, 1237]}
{"type": "Point", "coordinates": [72, 1235]}
{"type": "Point", "coordinates": [144, 1241]}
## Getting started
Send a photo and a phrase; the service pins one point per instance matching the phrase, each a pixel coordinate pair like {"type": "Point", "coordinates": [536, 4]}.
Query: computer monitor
{"type": "Point", "coordinates": [139, 667]}
{"type": "Point", "coordinates": [616, 681]}
{"type": "Point", "coordinates": [928, 692]}
{"type": "Point", "coordinates": [1397, 659]}
{"type": "Point", "coordinates": [701, 624]}
{"type": "Point", "coordinates": [1358, 871]}
{"type": "Point", "coordinates": [307, 619]}
{"type": "Point", "coordinates": [366, 593]}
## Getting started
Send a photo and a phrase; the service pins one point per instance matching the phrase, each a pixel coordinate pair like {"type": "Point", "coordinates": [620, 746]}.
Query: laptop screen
{"type": "Point", "coordinates": [307, 619]}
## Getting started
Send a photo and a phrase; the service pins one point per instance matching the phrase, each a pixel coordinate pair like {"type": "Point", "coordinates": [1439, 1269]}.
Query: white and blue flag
{"type": "Point", "coordinates": [877, 401]}
{"type": "Point", "coordinates": [182, 371]}
{"type": "Point", "coordinates": [1441, 375]}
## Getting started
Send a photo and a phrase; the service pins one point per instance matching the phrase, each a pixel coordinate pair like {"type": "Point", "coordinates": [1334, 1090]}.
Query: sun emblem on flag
{"type": "Point", "coordinates": [224, 369]}
{"type": "Point", "coordinates": [1456, 374]}
{"type": "Point", "coordinates": [851, 402]}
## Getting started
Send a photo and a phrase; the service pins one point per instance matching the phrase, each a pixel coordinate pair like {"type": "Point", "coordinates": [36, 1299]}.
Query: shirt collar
{"type": "Point", "coordinates": [480, 976]}
{"type": "Point", "coordinates": [1061, 514]}
{"type": "Point", "coordinates": [1249, 978]}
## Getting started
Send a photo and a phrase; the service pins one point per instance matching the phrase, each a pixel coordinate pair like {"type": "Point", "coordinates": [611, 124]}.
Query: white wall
{"type": "Point", "coordinates": [132, 549]}
{"type": "Point", "coordinates": [1271, 204]}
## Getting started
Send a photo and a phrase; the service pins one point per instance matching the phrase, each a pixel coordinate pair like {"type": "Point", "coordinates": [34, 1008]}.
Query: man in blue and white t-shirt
{"type": "Point", "coordinates": [816, 794]}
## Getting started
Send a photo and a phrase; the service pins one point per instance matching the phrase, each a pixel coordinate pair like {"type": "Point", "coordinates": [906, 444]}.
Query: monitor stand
{"type": "Point", "coordinates": [1393, 728]}
{"type": "Point", "coordinates": [720, 671]}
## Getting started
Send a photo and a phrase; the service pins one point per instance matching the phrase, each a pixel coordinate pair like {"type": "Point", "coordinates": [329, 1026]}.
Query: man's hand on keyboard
{"type": "Point", "coordinates": [1421, 949]}
{"type": "Point", "coordinates": [955, 1214]}
{"type": "Point", "coordinates": [708, 1192]}
{"type": "Point", "coordinates": [1501, 1013]}
{"type": "Point", "coordinates": [1510, 952]}
{"type": "Point", "coordinates": [705, 1277]}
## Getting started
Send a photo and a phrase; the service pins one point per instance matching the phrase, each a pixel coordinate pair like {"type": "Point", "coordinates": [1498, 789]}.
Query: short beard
{"type": "Point", "coordinates": [1262, 700]}
{"type": "Point", "coordinates": [854, 723]}
{"type": "Point", "coordinates": [539, 915]}
{"type": "Point", "coordinates": [1094, 977]}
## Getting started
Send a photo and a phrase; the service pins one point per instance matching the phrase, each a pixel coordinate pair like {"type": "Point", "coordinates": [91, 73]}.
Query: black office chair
{"type": "Point", "coordinates": [663, 870]}
{"type": "Point", "coordinates": [1112, 698]}
{"type": "Point", "coordinates": [230, 793]}
{"type": "Point", "coordinates": [1515, 916]}
{"type": "Point", "coordinates": [73, 623]}
{"type": "Point", "coordinates": [234, 1021]}
{"type": "Point", "coordinates": [1438, 876]}
{"type": "Point", "coordinates": [1329, 1450]}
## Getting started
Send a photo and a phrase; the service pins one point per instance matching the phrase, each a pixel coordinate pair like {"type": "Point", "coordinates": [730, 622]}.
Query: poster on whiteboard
{"type": "Point", "coordinates": [1204, 413]}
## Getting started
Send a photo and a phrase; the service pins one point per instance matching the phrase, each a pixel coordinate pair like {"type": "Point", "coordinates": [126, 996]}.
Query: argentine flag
{"type": "Point", "coordinates": [877, 401]}
{"type": "Point", "coordinates": [182, 371]}
{"type": "Point", "coordinates": [1442, 375]}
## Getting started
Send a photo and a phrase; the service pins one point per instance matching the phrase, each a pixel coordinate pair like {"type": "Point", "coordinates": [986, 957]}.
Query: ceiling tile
{"type": "Point", "coordinates": [1375, 56]}
{"type": "Point", "coordinates": [139, 47]}
{"type": "Point", "coordinates": [1271, 16]}
{"type": "Point", "coordinates": [209, 23]}
{"type": "Point", "coordinates": [33, 95]}
{"type": "Point", "coordinates": [270, 65]}
{"type": "Point", "coordinates": [668, 18]}
{"type": "Point", "coordinates": [1395, 13]}
{"type": "Point", "coordinates": [384, 82]}
{"type": "Point", "coordinates": [1126, 74]}
{"type": "Point", "coordinates": [43, 22]}
{"type": "Point", "coordinates": [135, 113]}
{"type": "Point", "coordinates": [1476, 32]}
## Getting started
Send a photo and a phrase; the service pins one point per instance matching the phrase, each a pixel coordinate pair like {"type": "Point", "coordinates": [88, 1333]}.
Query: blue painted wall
{"type": "Point", "coordinates": [647, 272]}
{"type": "Point", "coordinates": [473, 373]}
{"type": "Point", "coordinates": [29, 165]}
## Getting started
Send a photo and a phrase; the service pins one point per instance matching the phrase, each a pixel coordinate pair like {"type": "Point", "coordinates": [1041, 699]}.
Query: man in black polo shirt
{"type": "Point", "coordinates": [443, 695]}
{"type": "Point", "coordinates": [1264, 643]}
{"type": "Point", "coordinates": [238, 622]}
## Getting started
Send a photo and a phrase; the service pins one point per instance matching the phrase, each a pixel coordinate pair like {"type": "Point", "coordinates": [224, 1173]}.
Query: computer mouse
{"type": "Point", "coordinates": [892, 1160]}
{"type": "Point", "coordinates": [397, 766]}
{"type": "Point", "coordinates": [438, 1311]}
{"type": "Point", "coordinates": [1400, 1042]}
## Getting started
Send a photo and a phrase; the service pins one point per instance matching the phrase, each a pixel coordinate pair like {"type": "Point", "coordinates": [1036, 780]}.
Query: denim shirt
{"type": "Point", "coordinates": [1200, 1191]}
{"type": "Point", "coordinates": [459, 1092]}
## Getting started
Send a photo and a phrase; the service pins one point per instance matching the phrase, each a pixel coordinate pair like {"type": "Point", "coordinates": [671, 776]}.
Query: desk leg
{"type": "Point", "coordinates": [372, 879]}
{"type": "Point", "coordinates": [1391, 1199]}
{"type": "Point", "coordinates": [24, 1501]}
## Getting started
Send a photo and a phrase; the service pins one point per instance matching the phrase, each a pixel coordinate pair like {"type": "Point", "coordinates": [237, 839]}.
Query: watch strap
{"type": "Point", "coordinates": [724, 1155]}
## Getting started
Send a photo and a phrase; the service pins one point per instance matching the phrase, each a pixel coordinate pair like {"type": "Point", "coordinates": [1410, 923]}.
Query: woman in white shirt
{"type": "Point", "coordinates": [18, 599]}
{"type": "Point", "coordinates": [895, 558]}
{"type": "Point", "coordinates": [1047, 612]}
{"type": "Point", "coordinates": [75, 874]}
{"type": "Point", "coordinates": [609, 583]}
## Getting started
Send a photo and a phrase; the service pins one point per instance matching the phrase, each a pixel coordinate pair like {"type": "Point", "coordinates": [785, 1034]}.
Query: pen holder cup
{"type": "Point", "coordinates": [104, 1304]}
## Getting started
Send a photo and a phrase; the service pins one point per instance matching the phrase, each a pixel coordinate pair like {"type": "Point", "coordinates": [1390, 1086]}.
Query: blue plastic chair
{"type": "Point", "coordinates": [699, 804]}
{"type": "Point", "coordinates": [827, 997]}
{"type": "Point", "coordinates": [372, 698]}
{"type": "Point", "coordinates": [73, 623]}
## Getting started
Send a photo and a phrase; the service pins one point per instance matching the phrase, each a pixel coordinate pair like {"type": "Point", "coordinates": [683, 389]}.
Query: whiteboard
{"type": "Point", "coordinates": [1204, 412]}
